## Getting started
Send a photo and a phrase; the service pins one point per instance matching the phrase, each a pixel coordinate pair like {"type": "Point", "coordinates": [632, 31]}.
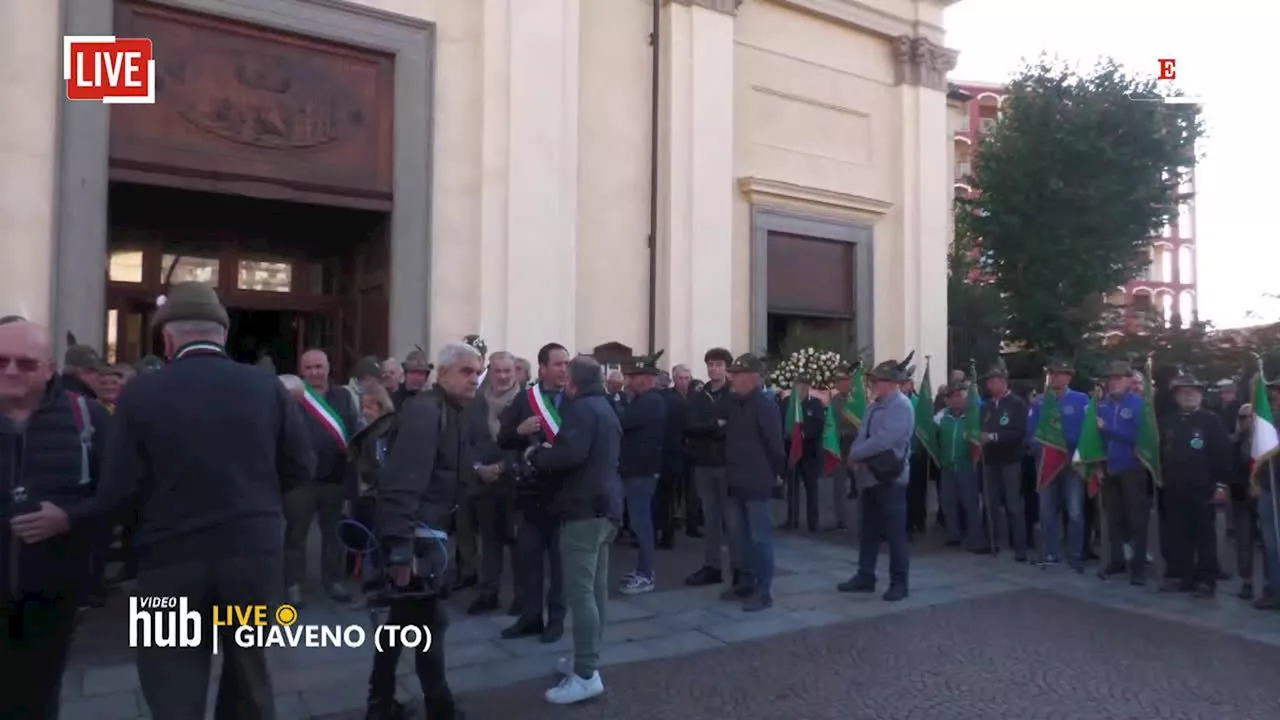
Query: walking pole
{"type": "Point", "coordinates": [991, 513]}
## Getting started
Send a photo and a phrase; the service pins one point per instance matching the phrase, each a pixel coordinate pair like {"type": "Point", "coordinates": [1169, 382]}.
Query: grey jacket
{"type": "Point", "coordinates": [889, 425]}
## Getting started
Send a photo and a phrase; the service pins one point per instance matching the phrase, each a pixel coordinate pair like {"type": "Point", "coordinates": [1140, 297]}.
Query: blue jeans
{"type": "Point", "coordinates": [959, 491]}
{"type": "Point", "coordinates": [751, 523]}
{"type": "Point", "coordinates": [1269, 519]}
{"type": "Point", "coordinates": [639, 491]}
{"type": "Point", "coordinates": [883, 517]}
{"type": "Point", "coordinates": [1067, 490]}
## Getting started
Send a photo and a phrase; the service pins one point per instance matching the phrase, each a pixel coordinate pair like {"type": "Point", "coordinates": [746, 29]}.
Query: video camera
{"type": "Point", "coordinates": [430, 562]}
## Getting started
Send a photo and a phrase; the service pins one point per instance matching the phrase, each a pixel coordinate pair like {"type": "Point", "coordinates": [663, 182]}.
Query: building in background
{"type": "Point", "coordinates": [1168, 285]}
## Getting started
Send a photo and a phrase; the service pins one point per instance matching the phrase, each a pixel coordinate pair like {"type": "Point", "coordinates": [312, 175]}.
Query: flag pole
{"type": "Point", "coordinates": [1271, 472]}
{"type": "Point", "coordinates": [1045, 523]}
{"type": "Point", "coordinates": [1155, 482]}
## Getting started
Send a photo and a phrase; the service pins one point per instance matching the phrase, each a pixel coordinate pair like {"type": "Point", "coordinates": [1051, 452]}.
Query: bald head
{"type": "Point", "coordinates": [26, 361]}
{"type": "Point", "coordinates": [315, 369]}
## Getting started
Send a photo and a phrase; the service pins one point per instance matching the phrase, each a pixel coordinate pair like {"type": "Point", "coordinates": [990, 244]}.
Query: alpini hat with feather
{"type": "Point", "coordinates": [1061, 365]}
{"type": "Point", "coordinates": [191, 301]}
{"type": "Point", "coordinates": [416, 361]}
{"type": "Point", "coordinates": [647, 365]}
{"type": "Point", "coordinates": [892, 370]}
{"type": "Point", "coordinates": [1186, 379]}
{"type": "Point", "coordinates": [1119, 368]}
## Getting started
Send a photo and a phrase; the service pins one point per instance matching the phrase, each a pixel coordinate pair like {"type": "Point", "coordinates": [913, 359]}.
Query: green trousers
{"type": "Point", "coordinates": [584, 550]}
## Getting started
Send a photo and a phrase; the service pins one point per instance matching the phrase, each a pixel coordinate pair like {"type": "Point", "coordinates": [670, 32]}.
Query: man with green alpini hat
{"type": "Point", "coordinates": [222, 439]}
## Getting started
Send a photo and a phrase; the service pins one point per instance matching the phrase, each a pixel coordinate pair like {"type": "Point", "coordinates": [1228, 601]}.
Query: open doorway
{"type": "Point", "coordinates": [255, 334]}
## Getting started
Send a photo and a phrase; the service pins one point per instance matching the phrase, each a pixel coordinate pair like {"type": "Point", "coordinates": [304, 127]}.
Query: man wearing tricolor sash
{"type": "Point", "coordinates": [531, 420]}
{"type": "Point", "coordinates": [1195, 452]}
{"type": "Point", "coordinates": [331, 418]}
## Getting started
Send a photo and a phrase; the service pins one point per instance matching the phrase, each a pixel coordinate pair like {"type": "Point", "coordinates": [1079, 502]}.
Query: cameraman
{"type": "Point", "coordinates": [419, 488]}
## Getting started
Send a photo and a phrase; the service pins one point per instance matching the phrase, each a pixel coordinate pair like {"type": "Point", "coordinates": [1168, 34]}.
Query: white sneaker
{"type": "Point", "coordinates": [573, 689]}
{"type": "Point", "coordinates": [564, 666]}
{"type": "Point", "coordinates": [637, 585]}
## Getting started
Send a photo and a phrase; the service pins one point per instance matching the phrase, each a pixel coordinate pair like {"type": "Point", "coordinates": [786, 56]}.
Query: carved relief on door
{"type": "Point", "coordinates": [236, 102]}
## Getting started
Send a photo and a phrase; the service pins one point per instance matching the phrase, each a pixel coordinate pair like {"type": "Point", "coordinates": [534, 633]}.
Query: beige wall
{"type": "Point", "coordinates": [541, 176]}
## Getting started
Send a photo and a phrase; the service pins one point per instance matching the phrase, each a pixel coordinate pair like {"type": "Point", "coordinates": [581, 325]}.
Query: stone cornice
{"type": "Point", "coordinates": [922, 62]}
{"type": "Point", "coordinates": [728, 7]}
{"type": "Point", "coordinates": [764, 189]}
{"type": "Point", "coordinates": [864, 16]}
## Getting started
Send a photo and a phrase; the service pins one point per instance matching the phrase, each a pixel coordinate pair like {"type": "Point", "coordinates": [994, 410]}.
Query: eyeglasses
{"type": "Point", "coordinates": [23, 364]}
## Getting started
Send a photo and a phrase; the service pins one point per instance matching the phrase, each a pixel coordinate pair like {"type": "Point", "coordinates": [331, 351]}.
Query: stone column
{"type": "Point", "coordinates": [927, 196]}
{"type": "Point", "coordinates": [696, 178]}
{"type": "Point", "coordinates": [542, 173]}
{"type": "Point", "coordinates": [31, 94]}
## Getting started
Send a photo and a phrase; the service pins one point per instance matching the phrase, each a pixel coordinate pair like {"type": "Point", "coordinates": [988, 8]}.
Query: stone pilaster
{"type": "Point", "coordinates": [541, 232]}
{"type": "Point", "coordinates": [696, 179]}
{"type": "Point", "coordinates": [927, 194]}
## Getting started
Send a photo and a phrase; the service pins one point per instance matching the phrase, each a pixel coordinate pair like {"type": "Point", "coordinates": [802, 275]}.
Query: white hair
{"type": "Point", "coordinates": [502, 355]}
{"type": "Point", "coordinates": [292, 383]}
{"type": "Point", "coordinates": [453, 352]}
{"type": "Point", "coordinates": [679, 369]}
{"type": "Point", "coordinates": [188, 330]}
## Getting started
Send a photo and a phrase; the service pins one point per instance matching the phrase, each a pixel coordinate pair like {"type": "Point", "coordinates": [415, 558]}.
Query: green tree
{"type": "Point", "coordinates": [975, 314]}
{"type": "Point", "coordinates": [1071, 185]}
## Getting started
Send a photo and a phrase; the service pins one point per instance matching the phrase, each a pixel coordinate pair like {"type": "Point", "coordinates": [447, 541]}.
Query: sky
{"type": "Point", "coordinates": [1225, 52]}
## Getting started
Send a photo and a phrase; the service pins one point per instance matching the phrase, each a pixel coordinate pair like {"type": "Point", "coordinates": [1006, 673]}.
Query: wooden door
{"type": "Point", "coordinates": [128, 337]}
{"type": "Point", "coordinates": [365, 299]}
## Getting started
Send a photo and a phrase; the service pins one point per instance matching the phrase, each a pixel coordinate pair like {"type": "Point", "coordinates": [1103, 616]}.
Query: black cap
{"type": "Point", "coordinates": [1187, 380]}
{"type": "Point", "coordinates": [1119, 368]}
{"type": "Point", "coordinates": [1061, 365]}
{"type": "Point", "coordinates": [368, 367]}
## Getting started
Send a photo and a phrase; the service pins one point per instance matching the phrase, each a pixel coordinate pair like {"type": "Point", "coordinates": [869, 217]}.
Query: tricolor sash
{"type": "Point", "coordinates": [315, 404]}
{"type": "Point", "coordinates": [546, 412]}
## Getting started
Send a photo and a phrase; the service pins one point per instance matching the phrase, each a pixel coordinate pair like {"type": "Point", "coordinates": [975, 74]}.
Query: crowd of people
{"type": "Point", "coordinates": [204, 476]}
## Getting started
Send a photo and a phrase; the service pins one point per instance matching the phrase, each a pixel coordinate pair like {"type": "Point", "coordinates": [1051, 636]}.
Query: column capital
{"type": "Point", "coordinates": [728, 7]}
{"type": "Point", "coordinates": [921, 62]}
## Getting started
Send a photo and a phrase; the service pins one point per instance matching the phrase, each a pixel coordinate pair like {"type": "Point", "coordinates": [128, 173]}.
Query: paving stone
{"type": "Point", "coordinates": [115, 706]}
{"type": "Point", "coordinates": [755, 626]}
{"type": "Point", "coordinates": [335, 698]}
{"type": "Point", "coordinates": [534, 647]}
{"type": "Point", "coordinates": [314, 677]}
{"type": "Point", "coordinates": [674, 601]}
{"type": "Point", "coordinates": [463, 654]}
{"type": "Point", "coordinates": [109, 679]}
{"type": "Point", "coordinates": [503, 672]}
{"type": "Point", "coordinates": [808, 582]}
{"type": "Point", "coordinates": [635, 630]}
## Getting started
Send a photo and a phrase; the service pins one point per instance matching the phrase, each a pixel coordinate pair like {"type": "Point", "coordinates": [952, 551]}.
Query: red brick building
{"type": "Point", "coordinates": [1167, 287]}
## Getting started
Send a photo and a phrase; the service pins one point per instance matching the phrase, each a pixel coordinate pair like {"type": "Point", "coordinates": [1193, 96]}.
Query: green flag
{"type": "Point", "coordinates": [855, 406]}
{"type": "Point", "coordinates": [1148, 445]}
{"type": "Point", "coordinates": [830, 441]}
{"type": "Point", "coordinates": [1090, 457]}
{"type": "Point", "coordinates": [973, 416]}
{"type": "Point", "coordinates": [926, 428]}
{"type": "Point", "coordinates": [1052, 441]}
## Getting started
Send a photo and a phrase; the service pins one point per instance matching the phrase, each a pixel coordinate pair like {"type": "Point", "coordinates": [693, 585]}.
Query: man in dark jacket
{"type": "Point", "coordinates": [204, 449]}
{"type": "Point", "coordinates": [494, 488]}
{"type": "Point", "coordinates": [432, 452]}
{"type": "Point", "coordinates": [1195, 460]}
{"type": "Point", "coordinates": [530, 420]}
{"type": "Point", "coordinates": [584, 463]}
{"type": "Point", "coordinates": [670, 496]}
{"type": "Point", "coordinates": [644, 422]}
{"type": "Point", "coordinates": [82, 368]}
{"type": "Point", "coordinates": [755, 459]}
{"type": "Point", "coordinates": [708, 412]}
{"type": "Point", "coordinates": [808, 466]}
{"type": "Point", "coordinates": [1004, 430]}
{"type": "Point", "coordinates": [48, 466]}
{"type": "Point", "coordinates": [331, 419]}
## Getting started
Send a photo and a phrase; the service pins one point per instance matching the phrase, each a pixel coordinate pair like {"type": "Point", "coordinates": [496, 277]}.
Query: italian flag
{"type": "Point", "coordinates": [926, 429]}
{"type": "Point", "coordinates": [319, 408]}
{"type": "Point", "coordinates": [545, 408]}
{"type": "Point", "coordinates": [795, 415]}
{"type": "Point", "coordinates": [1090, 457]}
{"type": "Point", "coordinates": [1266, 444]}
{"type": "Point", "coordinates": [1053, 443]}
{"type": "Point", "coordinates": [830, 441]}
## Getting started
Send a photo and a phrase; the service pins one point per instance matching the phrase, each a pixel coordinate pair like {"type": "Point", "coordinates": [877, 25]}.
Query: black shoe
{"type": "Point", "coordinates": [1112, 569]}
{"type": "Point", "coordinates": [553, 632]}
{"type": "Point", "coordinates": [983, 550]}
{"type": "Point", "coordinates": [524, 627]}
{"type": "Point", "coordinates": [514, 610]}
{"type": "Point", "coordinates": [757, 602]}
{"type": "Point", "coordinates": [1268, 601]}
{"type": "Point", "coordinates": [1090, 556]}
{"type": "Point", "coordinates": [953, 543]}
{"type": "Point", "coordinates": [465, 581]}
{"type": "Point", "coordinates": [667, 541]}
{"type": "Point", "coordinates": [1020, 557]}
{"type": "Point", "coordinates": [857, 584]}
{"type": "Point", "coordinates": [1173, 584]}
{"type": "Point", "coordinates": [1138, 578]}
{"type": "Point", "coordinates": [1223, 575]}
{"type": "Point", "coordinates": [1246, 591]}
{"type": "Point", "coordinates": [386, 710]}
{"type": "Point", "coordinates": [895, 593]}
{"type": "Point", "coordinates": [484, 603]}
{"type": "Point", "coordinates": [1203, 590]}
{"type": "Point", "coordinates": [704, 576]}
{"type": "Point", "coordinates": [693, 532]}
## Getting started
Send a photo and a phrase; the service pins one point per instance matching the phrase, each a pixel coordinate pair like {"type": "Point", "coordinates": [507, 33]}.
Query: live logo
{"type": "Point", "coordinates": [108, 69]}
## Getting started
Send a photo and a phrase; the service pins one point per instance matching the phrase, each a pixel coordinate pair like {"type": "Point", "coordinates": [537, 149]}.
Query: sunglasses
{"type": "Point", "coordinates": [23, 364]}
